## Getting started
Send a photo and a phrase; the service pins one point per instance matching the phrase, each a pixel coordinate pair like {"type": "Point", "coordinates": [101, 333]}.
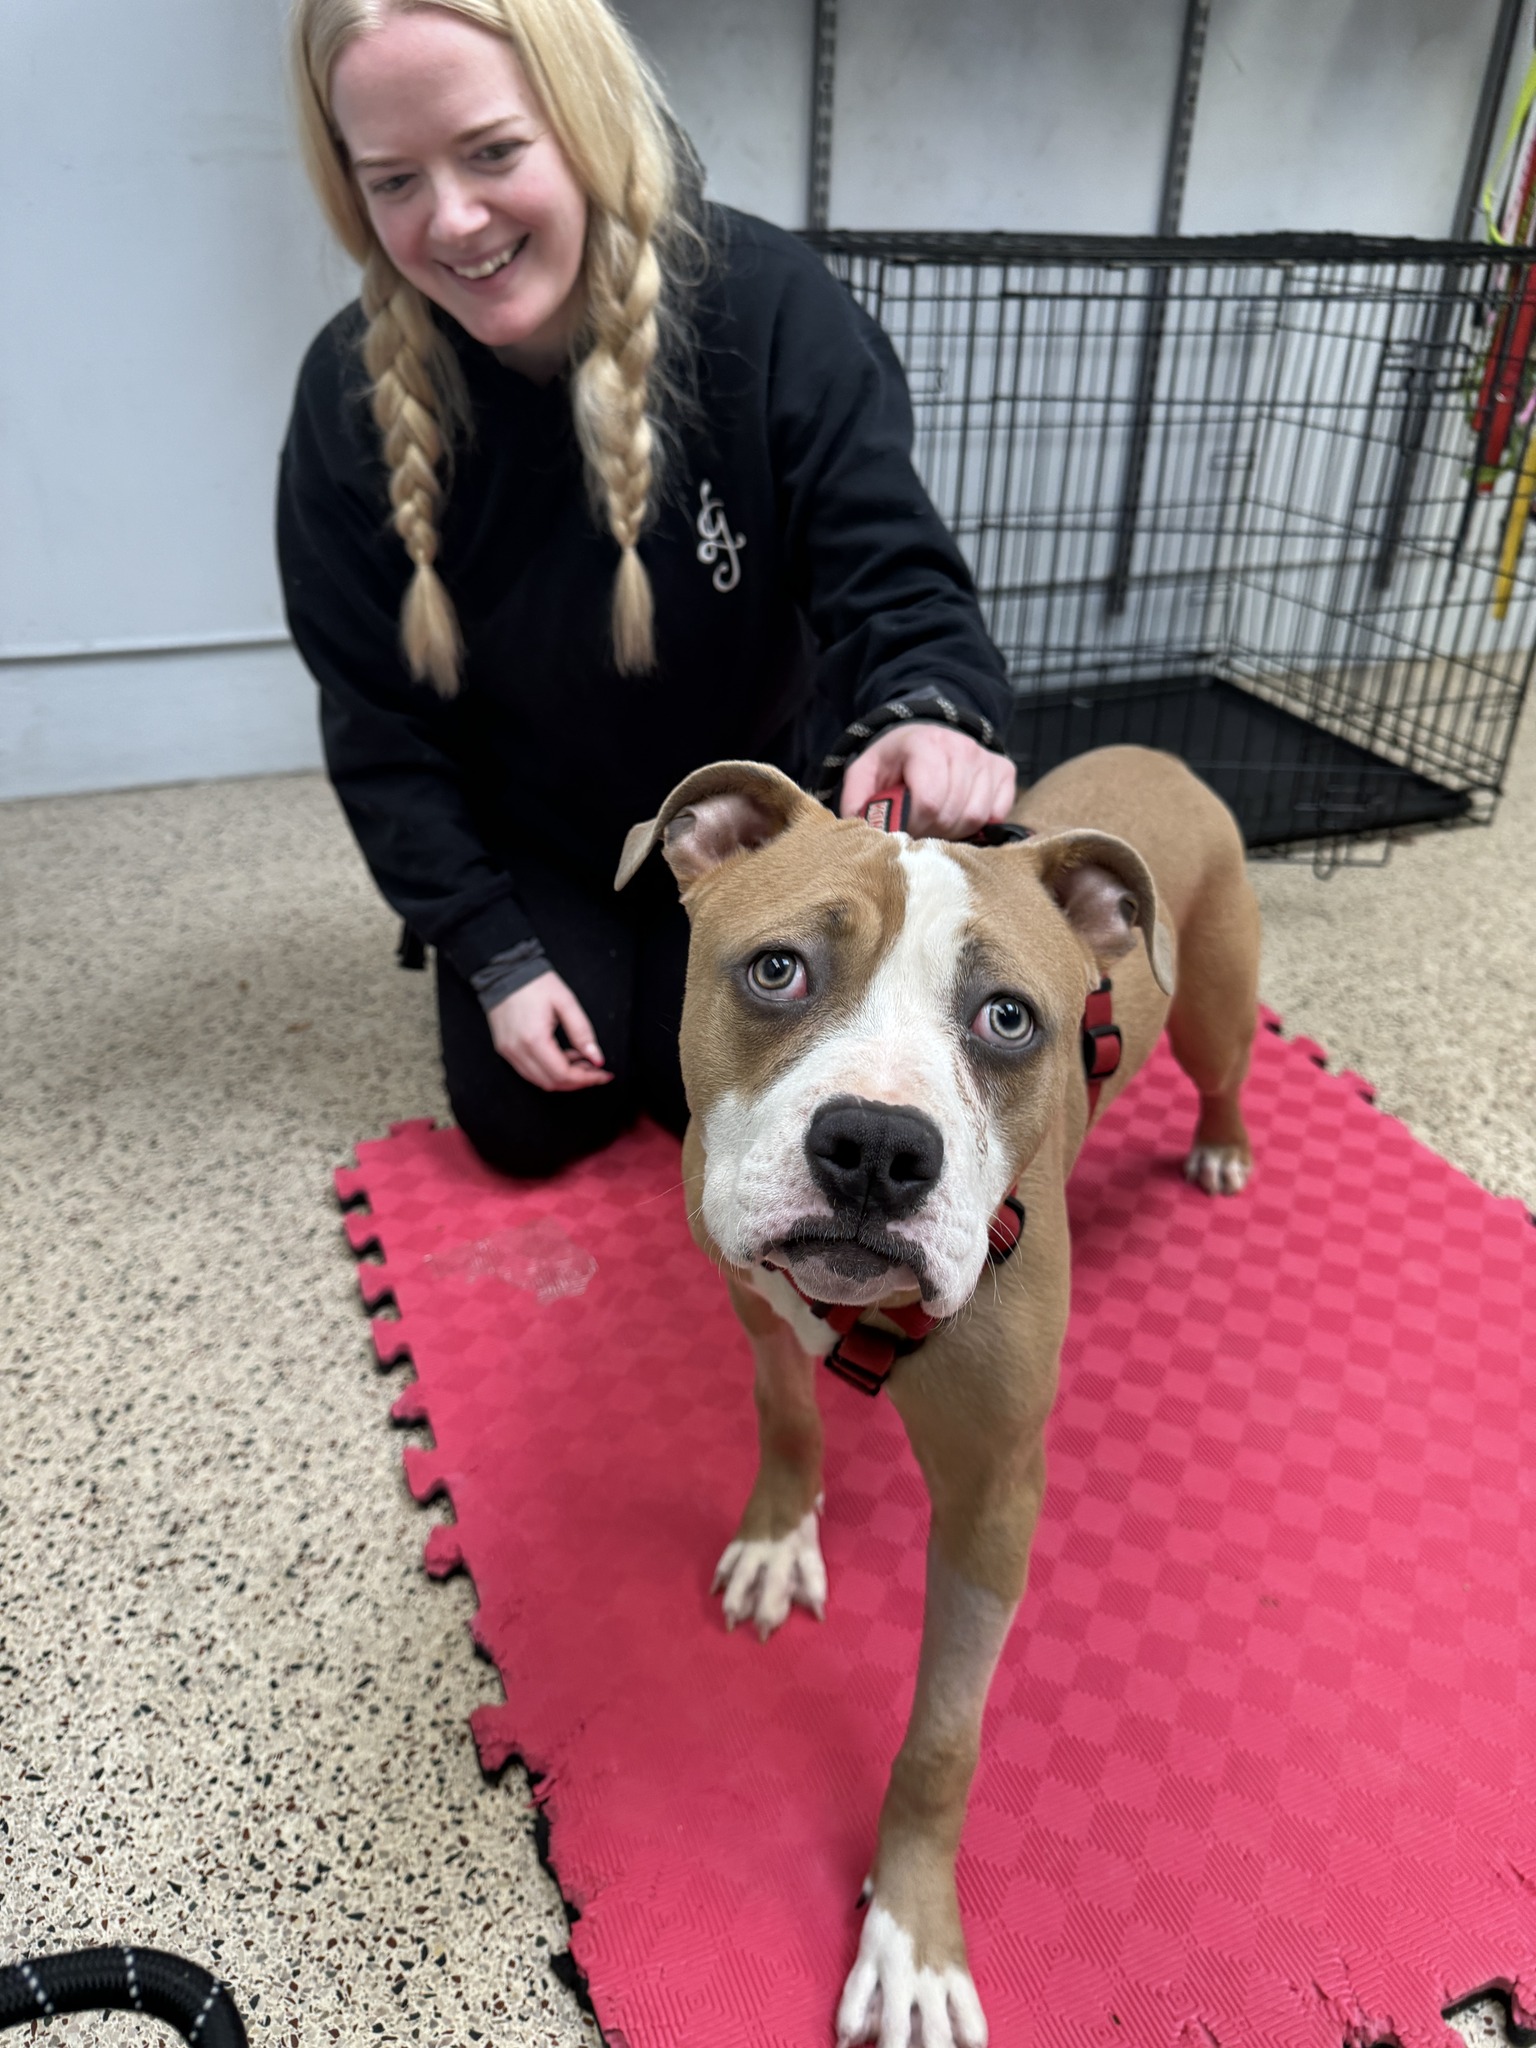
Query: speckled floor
{"type": "Point", "coordinates": [1422, 976]}
{"type": "Point", "coordinates": [232, 1709]}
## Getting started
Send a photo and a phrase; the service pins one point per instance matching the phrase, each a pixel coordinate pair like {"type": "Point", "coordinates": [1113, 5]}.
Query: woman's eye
{"type": "Point", "coordinates": [1005, 1020]}
{"type": "Point", "coordinates": [387, 188]}
{"type": "Point", "coordinates": [510, 149]}
{"type": "Point", "coordinates": [778, 973]}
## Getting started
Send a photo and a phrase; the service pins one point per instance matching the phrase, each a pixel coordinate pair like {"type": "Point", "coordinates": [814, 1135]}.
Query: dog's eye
{"type": "Point", "coordinates": [1004, 1020]}
{"type": "Point", "coordinates": [778, 973]}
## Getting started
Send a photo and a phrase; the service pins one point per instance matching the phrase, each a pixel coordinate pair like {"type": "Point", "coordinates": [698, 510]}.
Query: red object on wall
{"type": "Point", "coordinates": [1260, 1760]}
{"type": "Point", "coordinates": [1498, 399]}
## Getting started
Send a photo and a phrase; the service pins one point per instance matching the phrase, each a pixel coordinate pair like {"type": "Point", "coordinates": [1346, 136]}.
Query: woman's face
{"type": "Point", "coordinates": [467, 188]}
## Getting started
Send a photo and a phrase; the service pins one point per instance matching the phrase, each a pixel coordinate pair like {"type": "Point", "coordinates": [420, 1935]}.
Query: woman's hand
{"type": "Point", "coordinates": [523, 1031]}
{"type": "Point", "coordinates": [956, 785]}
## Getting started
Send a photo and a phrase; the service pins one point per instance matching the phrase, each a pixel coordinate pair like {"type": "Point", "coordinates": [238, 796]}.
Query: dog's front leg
{"type": "Point", "coordinates": [912, 1963]}
{"type": "Point", "coordinates": [775, 1559]}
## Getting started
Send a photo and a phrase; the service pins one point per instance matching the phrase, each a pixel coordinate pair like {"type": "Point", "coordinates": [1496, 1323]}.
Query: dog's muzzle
{"type": "Point", "coordinates": [875, 1163]}
{"type": "Point", "coordinates": [858, 1255]}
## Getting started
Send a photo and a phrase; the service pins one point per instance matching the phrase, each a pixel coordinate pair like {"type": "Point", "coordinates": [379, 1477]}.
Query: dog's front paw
{"type": "Point", "coordinates": [1219, 1169]}
{"type": "Point", "coordinates": [890, 1999]}
{"type": "Point", "coordinates": [764, 1577]}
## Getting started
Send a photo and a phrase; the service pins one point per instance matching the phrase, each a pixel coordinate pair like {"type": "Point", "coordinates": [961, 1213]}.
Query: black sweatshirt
{"type": "Point", "coordinates": [807, 595]}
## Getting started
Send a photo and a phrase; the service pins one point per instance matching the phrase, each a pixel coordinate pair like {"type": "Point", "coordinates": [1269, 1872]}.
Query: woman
{"type": "Point", "coordinates": [595, 484]}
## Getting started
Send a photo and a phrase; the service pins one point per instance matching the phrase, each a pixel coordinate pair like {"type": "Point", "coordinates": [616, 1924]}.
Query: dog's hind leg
{"type": "Point", "coordinates": [1211, 1025]}
{"type": "Point", "coordinates": [774, 1561]}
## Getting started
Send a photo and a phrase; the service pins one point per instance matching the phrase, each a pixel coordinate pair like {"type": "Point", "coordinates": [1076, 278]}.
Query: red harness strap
{"type": "Point", "coordinates": [1102, 1044]}
{"type": "Point", "coordinates": [864, 1355]}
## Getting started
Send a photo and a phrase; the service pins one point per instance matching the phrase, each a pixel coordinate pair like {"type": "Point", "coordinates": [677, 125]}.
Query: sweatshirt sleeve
{"type": "Point", "coordinates": [886, 590]}
{"type": "Point", "coordinates": [392, 746]}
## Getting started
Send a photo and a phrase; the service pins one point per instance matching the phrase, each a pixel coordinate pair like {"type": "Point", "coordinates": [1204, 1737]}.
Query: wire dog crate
{"type": "Point", "coordinates": [1258, 500]}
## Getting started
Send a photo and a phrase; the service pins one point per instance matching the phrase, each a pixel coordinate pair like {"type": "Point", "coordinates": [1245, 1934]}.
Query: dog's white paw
{"type": "Point", "coordinates": [1219, 1169]}
{"type": "Point", "coordinates": [889, 2000]}
{"type": "Point", "coordinates": [763, 1579]}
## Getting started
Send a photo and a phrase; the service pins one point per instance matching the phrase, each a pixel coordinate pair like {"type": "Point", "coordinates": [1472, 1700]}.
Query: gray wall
{"type": "Point", "coordinates": [170, 269]}
{"type": "Point", "coordinates": [1053, 114]}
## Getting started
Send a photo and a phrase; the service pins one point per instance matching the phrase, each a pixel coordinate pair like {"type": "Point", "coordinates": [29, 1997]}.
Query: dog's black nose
{"type": "Point", "coordinates": [876, 1157]}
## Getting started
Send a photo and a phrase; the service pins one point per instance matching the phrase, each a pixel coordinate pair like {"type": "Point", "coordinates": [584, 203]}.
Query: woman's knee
{"type": "Point", "coordinates": [536, 1133]}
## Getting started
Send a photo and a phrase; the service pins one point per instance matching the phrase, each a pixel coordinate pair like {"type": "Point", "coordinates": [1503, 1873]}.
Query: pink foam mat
{"type": "Point", "coordinates": [1259, 1762]}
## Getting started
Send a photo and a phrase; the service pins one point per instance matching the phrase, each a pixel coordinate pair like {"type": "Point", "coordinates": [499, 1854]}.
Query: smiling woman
{"type": "Point", "coordinates": [596, 483]}
{"type": "Point", "coordinates": [427, 141]}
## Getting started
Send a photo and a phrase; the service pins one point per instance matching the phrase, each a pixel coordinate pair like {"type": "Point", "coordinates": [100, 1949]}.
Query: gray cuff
{"type": "Point", "coordinates": [926, 706]}
{"type": "Point", "coordinates": [504, 975]}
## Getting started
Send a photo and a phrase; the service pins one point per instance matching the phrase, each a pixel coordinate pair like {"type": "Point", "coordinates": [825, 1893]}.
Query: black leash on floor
{"type": "Point", "coordinates": [146, 1980]}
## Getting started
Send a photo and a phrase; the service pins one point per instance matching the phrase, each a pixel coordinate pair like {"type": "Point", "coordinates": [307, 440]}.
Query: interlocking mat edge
{"type": "Point", "coordinates": [1259, 1761]}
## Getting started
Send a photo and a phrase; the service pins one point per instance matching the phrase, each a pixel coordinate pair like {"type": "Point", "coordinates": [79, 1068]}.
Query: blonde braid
{"type": "Point", "coordinates": [609, 394]}
{"type": "Point", "coordinates": [415, 382]}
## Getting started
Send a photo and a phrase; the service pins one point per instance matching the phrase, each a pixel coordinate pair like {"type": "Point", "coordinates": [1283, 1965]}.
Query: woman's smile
{"type": "Point", "coordinates": [476, 273]}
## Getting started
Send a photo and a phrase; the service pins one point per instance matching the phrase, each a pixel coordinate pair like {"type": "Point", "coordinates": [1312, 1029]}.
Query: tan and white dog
{"type": "Point", "coordinates": [881, 1040]}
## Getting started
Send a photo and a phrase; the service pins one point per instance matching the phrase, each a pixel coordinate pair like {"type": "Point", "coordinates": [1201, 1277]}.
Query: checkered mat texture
{"type": "Point", "coordinates": [1259, 1763]}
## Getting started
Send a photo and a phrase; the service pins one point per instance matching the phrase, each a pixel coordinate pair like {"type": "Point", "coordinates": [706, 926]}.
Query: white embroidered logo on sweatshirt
{"type": "Point", "coordinates": [716, 540]}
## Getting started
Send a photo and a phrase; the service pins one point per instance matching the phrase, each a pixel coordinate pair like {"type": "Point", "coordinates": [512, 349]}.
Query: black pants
{"type": "Point", "coordinates": [623, 956]}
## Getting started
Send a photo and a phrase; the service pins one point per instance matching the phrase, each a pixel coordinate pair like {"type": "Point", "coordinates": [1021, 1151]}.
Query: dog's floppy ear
{"type": "Point", "coordinates": [729, 807]}
{"type": "Point", "coordinates": [1106, 891]}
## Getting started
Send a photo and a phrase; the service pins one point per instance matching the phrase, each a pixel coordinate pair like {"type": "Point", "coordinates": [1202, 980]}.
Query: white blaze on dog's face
{"type": "Point", "coordinates": [876, 1034]}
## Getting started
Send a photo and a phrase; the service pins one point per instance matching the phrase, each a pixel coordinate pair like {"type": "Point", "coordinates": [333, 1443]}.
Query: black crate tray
{"type": "Point", "coordinates": [1288, 782]}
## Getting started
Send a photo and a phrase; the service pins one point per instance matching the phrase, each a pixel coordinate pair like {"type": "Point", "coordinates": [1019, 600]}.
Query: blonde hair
{"type": "Point", "coordinates": [607, 112]}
